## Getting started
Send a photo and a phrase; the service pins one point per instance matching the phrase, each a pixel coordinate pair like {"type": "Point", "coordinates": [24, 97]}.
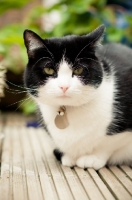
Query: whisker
{"type": "Point", "coordinates": [11, 92]}
{"type": "Point", "coordinates": [41, 59]}
{"type": "Point", "coordinates": [17, 102]}
{"type": "Point", "coordinates": [14, 89]}
{"type": "Point", "coordinates": [80, 52]}
{"type": "Point", "coordinates": [49, 52]}
{"type": "Point", "coordinates": [88, 59]}
{"type": "Point", "coordinates": [20, 86]}
{"type": "Point", "coordinates": [28, 99]}
{"type": "Point", "coordinates": [87, 45]}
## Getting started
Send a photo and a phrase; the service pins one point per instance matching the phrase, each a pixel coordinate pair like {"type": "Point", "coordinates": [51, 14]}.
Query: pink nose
{"type": "Point", "coordinates": [64, 89]}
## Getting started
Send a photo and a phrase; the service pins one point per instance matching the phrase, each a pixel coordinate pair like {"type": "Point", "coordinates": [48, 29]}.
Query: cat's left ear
{"type": "Point", "coordinates": [96, 36]}
{"type": "Point", "coordinates": [32, 42]}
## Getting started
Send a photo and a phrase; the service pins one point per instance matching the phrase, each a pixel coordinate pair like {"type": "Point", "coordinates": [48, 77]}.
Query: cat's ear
{"type": "Point", "coordinates": [32, 42]}
{"type": "Point", "coordinates": [96, 35]}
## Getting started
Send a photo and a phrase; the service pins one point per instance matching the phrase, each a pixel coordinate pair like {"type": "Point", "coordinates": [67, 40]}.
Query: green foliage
{"type": "Point", "coordinates": [80, 17]}
{"type": "Point", "coordinates": [8, 4]}
{"type": "Point", "coordinates": [77, 17]}
{"type": "Point", "coordinates": [11, 47]}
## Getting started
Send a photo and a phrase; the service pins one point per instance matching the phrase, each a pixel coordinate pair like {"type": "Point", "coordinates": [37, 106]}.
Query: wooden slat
{"type": "Point", "coordinates": [13, 119]}
{"type": "Point", "coordinates": [127, 170]}
{"type": "Point", "coordinates": [6, 176]}
{"type": "Point", "coordinates": [89, 185]}
{"type": "Point", "coordinates": [60, 182]}
{"type": "Point", "coordinates": [122, 178]}
{"type": "Point", "coordinates": [76, 188]}
{"type": "Point", "coordinates": [47, 184]}
{"type": "Point", "coordinates": [102, 187]}
{"type": "Point", "coordinates": [32, 177]}
{"type": "Point", "coordinates": [19, 184]}
{"type": "Point", "coordinates": [114, 185]}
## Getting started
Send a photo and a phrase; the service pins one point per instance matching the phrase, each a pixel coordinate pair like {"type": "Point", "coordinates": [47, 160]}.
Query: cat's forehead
{"type": "Point", "coordinates": [67, 47]}
{"type": "Point", "coordinates": [71, 45]}
{"type": "Point", "coordinates": [67, 42]}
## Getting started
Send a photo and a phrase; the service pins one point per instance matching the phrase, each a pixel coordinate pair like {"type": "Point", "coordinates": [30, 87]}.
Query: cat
{"type": "Point", "coordinates": [92, 84]}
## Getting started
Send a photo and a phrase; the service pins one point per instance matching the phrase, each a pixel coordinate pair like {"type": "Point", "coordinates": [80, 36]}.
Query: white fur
{"type": "Point", "coordinates": [89, 112]}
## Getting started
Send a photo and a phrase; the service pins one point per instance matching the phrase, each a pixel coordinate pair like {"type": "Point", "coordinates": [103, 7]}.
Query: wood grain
{"type": "Point", "coordinates": [29, 170]}
{"type": "Point", "coordinates": [114, 185]}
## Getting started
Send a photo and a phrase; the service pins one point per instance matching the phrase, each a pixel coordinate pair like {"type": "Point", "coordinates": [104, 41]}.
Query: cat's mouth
{"type": "Point", "coordinates": [63, 96]}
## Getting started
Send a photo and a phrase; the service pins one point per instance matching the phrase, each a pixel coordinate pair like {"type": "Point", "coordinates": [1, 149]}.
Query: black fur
{"type": "Point", "coordinates": [120, 58]}
{"type": "Point", "coordinates": [58, 154]}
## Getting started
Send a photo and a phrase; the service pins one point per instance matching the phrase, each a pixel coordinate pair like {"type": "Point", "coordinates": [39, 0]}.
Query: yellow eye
{"type": "Point", "coordinates": [49, 71]}
{"type": "Point", "coordinates": [78, 71]}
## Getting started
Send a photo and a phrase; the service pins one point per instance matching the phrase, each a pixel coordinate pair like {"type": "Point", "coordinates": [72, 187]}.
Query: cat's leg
{"type": "Point", "coordinates": [68, 161]}
{"type": "Point", "coordinates": [65, 159]}
{"type": "Point", "coordinates": [98, 158]}
{"type": "Point", "coordinates": [91, 161]}
{"type": "Point", "coordinates": [114, 149]}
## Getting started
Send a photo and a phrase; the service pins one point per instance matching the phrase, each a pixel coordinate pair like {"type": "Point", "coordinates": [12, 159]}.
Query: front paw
{"type": "Point", "coordinates": [68, 161]}
{"type": "Point", "coordinates": [90, 161]}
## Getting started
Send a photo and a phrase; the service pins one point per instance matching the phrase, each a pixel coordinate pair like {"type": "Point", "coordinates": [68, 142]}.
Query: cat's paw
{"type": "Point", "coordinates": [68, 161]}
{"type": "Point", "coordinates": [90, 161]}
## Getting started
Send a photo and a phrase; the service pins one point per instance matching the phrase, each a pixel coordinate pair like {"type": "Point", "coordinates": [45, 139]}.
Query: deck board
{"type": "Point", "coordinates": [115, 186]}
{"type": "Point", "coordinates": [89, 185]}
{"type": "Point", "coordinates": [5, 168]}
{"type": "Point", "coordinates": [29, 170]}
{"type": "Point", "coordinates": [17, 167]}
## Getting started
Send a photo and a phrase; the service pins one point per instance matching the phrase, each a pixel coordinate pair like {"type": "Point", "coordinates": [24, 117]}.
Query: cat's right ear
{"type": "Point", "coordinates": [32, 42]}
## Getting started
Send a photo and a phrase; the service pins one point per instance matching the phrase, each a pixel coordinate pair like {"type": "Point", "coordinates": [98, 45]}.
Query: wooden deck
{"type": "Point", "coordinates": [29, 171]}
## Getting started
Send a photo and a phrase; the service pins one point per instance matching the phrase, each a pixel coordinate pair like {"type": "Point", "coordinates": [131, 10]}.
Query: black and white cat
{"type": "Point", "coordinates": [94, 84]}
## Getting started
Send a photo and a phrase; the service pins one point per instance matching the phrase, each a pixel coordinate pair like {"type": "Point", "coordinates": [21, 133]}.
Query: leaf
{"type": "Point", "coordinates": [114, 34]}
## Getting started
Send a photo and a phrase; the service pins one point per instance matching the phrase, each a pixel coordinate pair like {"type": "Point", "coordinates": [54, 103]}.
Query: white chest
{"type": "Point", "coordinates": [87, 124]}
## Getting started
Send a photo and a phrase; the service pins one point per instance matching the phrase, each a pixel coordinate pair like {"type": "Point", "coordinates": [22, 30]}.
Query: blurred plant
{"type": "Point", "coordinates": [80, 17]}
{"type": "Point", "coordinates": [28, 106]}
{"type": "Point", "coordinates": [11, 47]}
{"type": "Point", "coordinates": [12, 50]}
{"type": "Point", "coordinates": [11, 41]}
{"type": "Point", "coordinates": [76, 17]}
{"type": "Point", "coordinates": [8, 4]}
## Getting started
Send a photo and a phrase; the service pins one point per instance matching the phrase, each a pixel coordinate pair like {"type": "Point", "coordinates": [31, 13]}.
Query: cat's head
{"type": "Point", "coordinates": [63, 71]}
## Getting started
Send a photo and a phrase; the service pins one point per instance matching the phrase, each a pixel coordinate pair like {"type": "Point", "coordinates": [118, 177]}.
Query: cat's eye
{"type": "Point", "coordinates": [49, 71]}
{"type": "Point", "coordinates": [78, 71]}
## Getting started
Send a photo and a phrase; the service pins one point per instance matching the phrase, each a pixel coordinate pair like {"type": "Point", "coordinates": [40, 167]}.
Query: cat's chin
{"type": "Point", "coordinates": [63, 97]}
{"type": "Point", "coordinates": [59, 101]}
{"type": "Point", "coordinates": [65, 100]}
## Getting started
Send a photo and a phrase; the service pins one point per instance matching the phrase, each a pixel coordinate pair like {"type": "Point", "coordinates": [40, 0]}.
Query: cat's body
{"type": "Point", "coordinates": [95, 86]}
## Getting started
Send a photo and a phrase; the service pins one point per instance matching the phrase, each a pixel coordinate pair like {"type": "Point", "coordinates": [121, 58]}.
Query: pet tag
{"type": "Point", "coordinates": [61, 121]}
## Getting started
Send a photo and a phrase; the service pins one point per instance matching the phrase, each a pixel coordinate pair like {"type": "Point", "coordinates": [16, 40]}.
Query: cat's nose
{"type": "Point", "coordinates": [64, 89]}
